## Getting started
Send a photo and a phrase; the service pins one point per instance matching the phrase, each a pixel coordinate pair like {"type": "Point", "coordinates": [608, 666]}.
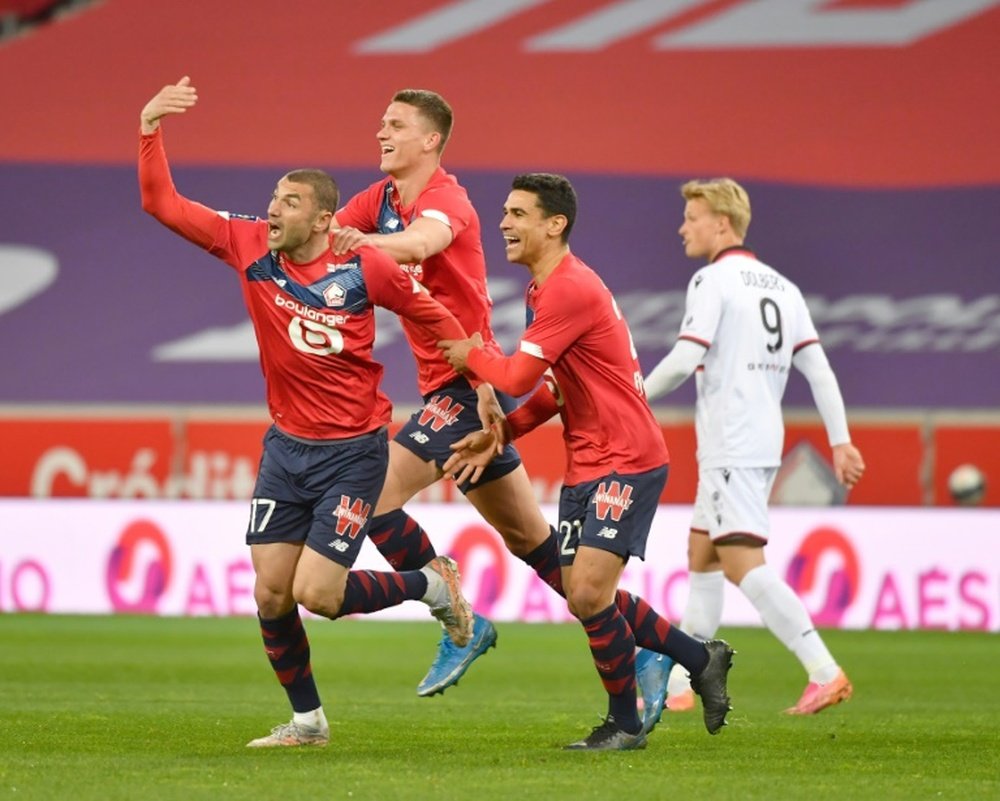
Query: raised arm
{"type": "Point", "coordinates": [193, 221]}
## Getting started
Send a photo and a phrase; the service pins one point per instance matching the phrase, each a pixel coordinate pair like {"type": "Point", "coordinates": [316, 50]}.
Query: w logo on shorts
{"type": "Point", "coordinates": [440, 412]}
{"type": "Point", "coordinates": [352, 516]}
{"type": "Point", "coordinates": [612, 498]}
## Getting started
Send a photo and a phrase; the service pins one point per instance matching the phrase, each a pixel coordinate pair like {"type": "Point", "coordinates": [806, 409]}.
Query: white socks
{"type": "Point", "coordinates": [437, 589]}
{"type": "Point", "coordinates": [315, 719]}
{"type": "Point", "coordinates": [786, 616]}
{"type": "Point", "coordinates": [780, 609]}
{"type": "Point", "coordinates": [703, 612]}
{"type": "Point", "coordinates": [702, 616]}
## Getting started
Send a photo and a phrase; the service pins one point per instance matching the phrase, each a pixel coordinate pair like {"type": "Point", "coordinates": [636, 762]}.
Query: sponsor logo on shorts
{"type": "Point", "coordinates": [607, 533]}
{"type": "Point", "coordinates": [612, 499]}
{"type": "Point", "coordinates": [440, 412]}
{"type": "Point", "coordinates": [352, 516]}
{"type": "Point", "coordinates": [420, 436]}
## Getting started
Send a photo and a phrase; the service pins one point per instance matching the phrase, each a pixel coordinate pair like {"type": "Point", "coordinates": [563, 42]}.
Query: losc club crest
{"type": "Point", "coordinates": [335, 295]}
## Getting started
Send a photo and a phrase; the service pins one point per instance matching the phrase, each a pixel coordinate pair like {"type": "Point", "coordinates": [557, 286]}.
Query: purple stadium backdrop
{"type": "Point", "coordinates": [126, 311]}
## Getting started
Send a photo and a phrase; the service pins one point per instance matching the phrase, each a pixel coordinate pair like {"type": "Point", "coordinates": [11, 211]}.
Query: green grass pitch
{"type": "Point", "coordinates": [154, 708]}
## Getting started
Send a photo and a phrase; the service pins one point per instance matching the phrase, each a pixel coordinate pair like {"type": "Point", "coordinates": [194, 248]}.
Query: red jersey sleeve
{"type": "Point", "coordinates": [543, 405]}
{"type": "Point", "coordinates": [391, 288]}
{"type": "Point", "coordinates": [216, 232]}
{"type": "Point", "coordinates": [448, 204]}
{"type": "Point", "coordinates": [515, 375]}
{"type": "Point", "coordinates": [558, 322]}
{"type": "Point", "coordinates": [193, 221]}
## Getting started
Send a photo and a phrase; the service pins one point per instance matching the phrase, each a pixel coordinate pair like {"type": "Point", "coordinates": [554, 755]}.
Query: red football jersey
{"type": "Point", "coordinates": [456, 276]}
{"type": "Point", "coordinates": [574, 324]}
{"type": "Point", "coordinates": [314, 322]}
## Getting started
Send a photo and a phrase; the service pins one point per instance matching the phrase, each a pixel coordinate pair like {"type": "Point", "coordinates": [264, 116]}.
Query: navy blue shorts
{"type": "Point", "coordinates": [322, 494]}
{"type": "Point", "coordinates": [613, 513]}
{"type": "Point", "coordinates": [448, 414]}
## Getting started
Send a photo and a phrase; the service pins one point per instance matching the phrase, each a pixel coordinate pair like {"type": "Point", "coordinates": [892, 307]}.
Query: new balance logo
{"type": "Point", "coordinates": [420, 436]}
{"type": "Point", "coordinates": [352, 517]}
{"type": "Point", "coordinates": [608, 533]}
{"type": "Point", "coordinates": [612, 499]}
{"type": "Point", "coordinates": [440, 412]}
{"type": "Point", "coordinates": [338, 545]}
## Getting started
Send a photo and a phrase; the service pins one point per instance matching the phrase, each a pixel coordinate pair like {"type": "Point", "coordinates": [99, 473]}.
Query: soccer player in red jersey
{"type": "Point", "coordinates": [579, 343]}
{"type": "Point", "coordinates": [325, 456]}
{"type": "Point", "coordinates": [422, 217]}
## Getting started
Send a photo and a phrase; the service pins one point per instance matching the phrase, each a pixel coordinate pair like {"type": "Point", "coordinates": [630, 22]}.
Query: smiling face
{"type": "Point", "coordinates": [405, 139]}
{"type": "Point", "coordinates": [529, 236]}
{"type": "Point", "coordinates": [293, 217]}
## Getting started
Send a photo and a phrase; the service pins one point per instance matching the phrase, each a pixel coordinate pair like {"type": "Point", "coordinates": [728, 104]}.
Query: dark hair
{"type": "Point", "coordinates": [555, 195]}
{"type": "Point", "coordinates": [432, 106]}
{"type": "Point", "coordinates": [323, 186]}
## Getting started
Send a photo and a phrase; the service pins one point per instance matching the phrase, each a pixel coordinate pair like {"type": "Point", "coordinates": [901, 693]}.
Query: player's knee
{"type": "Point", "coordinates": [524, 535]}
{"type": "Point", "coordinates": [584, 601]}
{"type": "Point", "coordinates": [272, 601]}
{"type": "Point", "coordinates": [519, 541]}
{"type": "Point", "coordinates": [319, 600]}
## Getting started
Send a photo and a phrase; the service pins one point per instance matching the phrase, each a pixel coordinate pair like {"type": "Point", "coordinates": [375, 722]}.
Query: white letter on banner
{"type": "Point", "coordinates": [443, 26]}
{"type": "Point", "coordinates": [803, 23]}
{"type": "Point", "coordinates": [607, 25]}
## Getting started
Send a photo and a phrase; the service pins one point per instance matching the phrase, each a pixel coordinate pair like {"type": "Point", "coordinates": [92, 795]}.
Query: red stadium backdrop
{"type": "Point", "coordinates": [836, 92]}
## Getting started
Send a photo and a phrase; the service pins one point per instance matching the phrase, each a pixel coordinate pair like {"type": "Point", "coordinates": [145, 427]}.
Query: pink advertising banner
{"type": "Point", "coordinates": [855, 568]}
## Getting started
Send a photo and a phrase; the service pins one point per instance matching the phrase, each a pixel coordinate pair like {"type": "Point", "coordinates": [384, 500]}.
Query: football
{"type": "Point", "coordinates": [967, 485]}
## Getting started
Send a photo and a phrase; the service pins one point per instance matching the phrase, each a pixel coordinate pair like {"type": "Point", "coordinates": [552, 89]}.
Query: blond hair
{"type": "Point", "coordinates": [724, 197]}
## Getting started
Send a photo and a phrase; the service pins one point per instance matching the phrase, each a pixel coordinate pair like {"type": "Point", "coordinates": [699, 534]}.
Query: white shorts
{"type": "Point", "coordinates": [732, 502]}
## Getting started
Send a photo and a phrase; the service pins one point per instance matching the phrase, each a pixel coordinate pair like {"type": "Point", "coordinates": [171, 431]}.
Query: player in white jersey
{"type": "Point", "coordinates": [745, 325]}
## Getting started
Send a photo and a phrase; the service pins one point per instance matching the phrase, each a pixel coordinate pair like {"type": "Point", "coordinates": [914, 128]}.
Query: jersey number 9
{"type": "Point", "coordinates": [770, 315]}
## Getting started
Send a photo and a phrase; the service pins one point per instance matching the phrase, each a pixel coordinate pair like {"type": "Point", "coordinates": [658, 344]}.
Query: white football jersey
{"type": "Point", "coordinates": [752, 320]}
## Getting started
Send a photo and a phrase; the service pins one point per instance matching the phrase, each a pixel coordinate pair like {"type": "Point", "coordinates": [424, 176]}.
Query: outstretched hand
{"type": "Point", "coordinates": [171, 99]}
{"type": "Point", "coordinates": [472, 454]}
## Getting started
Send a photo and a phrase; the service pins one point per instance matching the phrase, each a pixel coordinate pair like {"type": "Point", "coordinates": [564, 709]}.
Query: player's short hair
{"type": "Point", "coordinates": [431, 106]}
{"type": "Point", "coordinates": [725, 197]}
{"type": "Point", "coordinates": [555, 195]}
{"type": "Point", "coordinates": [323, 186]}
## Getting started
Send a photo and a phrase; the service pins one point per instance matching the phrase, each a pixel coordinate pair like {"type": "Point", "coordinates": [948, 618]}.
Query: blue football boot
{"type": "Point", "coordinates": [651, 672]}
{"type": "Point", "coordinates": [452, 661]}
